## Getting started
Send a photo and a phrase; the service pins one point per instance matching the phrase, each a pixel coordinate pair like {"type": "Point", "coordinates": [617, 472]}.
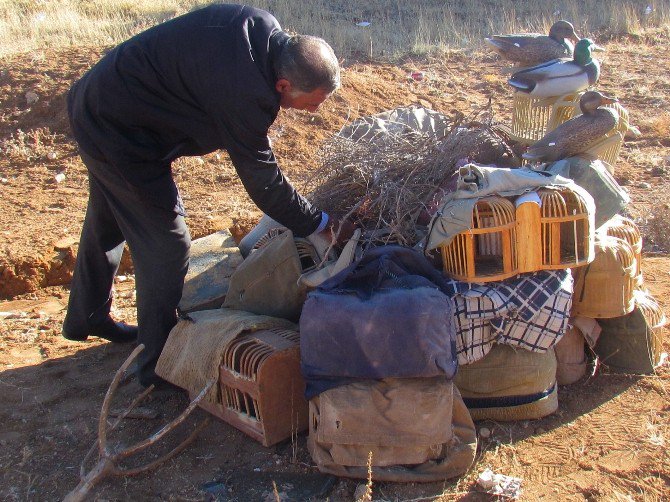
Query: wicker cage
{"type": "Point", "coordinates": [262, 389]}
{"type": "Point", "coordinates": [530, 116]}
{"type": "Point", "coordinates": [626, 229]}
{"type": "Point", "coordinates": [486, 252]}
{"type": "Point", "coordinates": [650, 309]}
{"type": "Point", "coordinates": [566, 232]}
{"type": "Point", "coordinates": [604, 288]}
{"type": "Point", "coordinates": [607, 148]}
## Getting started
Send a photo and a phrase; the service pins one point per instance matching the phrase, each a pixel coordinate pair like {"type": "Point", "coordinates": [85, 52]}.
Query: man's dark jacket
{"type": "Point", "coordinates": [200, 82]}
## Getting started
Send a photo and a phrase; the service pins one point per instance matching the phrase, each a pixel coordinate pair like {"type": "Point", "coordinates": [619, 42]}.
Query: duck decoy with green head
{"type": "Point", "coordinates": [578, 134]}
{"type": "Point", "coordinates": [560, 76]}
{"type": "Point", "coordinates": [530, 49]}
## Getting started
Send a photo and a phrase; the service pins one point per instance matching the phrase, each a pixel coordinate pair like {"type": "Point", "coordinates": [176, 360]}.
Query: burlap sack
{"type": "Point", "coordinates": [417, 429]}
{"type": "Point", "coordinates": [509, 384]}
{"type": "Point", "coordinates": [193, 352]}
{"type": "Point", "coordinates": [266, 282]}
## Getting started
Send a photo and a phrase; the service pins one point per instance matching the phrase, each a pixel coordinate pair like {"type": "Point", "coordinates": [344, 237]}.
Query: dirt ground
{"type": "Point", "coordinates": [608, 441]}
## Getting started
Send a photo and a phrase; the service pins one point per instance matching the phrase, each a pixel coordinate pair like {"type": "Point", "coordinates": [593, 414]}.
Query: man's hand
{"type": "Point", "coordinates": [338, 231]}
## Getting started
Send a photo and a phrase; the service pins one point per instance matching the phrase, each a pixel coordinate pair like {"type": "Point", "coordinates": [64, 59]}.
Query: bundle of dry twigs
{"type": "Point", "coordinates": [387, 182]}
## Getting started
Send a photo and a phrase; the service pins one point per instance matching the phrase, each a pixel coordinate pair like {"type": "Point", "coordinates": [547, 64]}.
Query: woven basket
{"type": "Point", "coordinates": [627, 230]}
{"type": "Point", "coordinates": [565, 229]}
{"type": "Point", "coordinates": [486, 252]}
{"type": "Point", "coordinates": [530, 116]}
{"type": "Point", "coordinates": [605, 287]}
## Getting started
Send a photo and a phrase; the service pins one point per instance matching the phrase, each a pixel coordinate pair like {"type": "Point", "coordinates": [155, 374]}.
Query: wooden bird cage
{"type": "Point", "coordinates": [626, 229]}
{"type": "Point", "coordinates": [530, 116]}
{"type": "Point", "coordinates": [309, 257]}
{"type": "Point", "coordinates": [566, 232]}
{"type": "Point", "coordinates": [604, 289]}
{"type": "Point", "coordinates": [486, 252]}
{"type": "Point", "coordinates": [528, 236]}
{"type": "Point", "coordinates": [262, 389]}
{"type": "Point", "coordinates": [607, 148]}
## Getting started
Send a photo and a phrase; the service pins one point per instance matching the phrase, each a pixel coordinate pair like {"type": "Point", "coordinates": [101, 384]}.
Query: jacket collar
{"type": "Point", "coordinates": [276, 44]}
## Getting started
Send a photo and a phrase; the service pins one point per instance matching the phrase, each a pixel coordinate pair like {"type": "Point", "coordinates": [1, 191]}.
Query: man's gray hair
{"type": "Point", "coordinates": [309, 63]}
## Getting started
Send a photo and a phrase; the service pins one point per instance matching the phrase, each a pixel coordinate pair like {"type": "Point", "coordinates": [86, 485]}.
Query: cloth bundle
{"type": "Point", "coordinates": [530, 312]}
{"type": "Point", "coordinates": [383, 316]}
{"type": "Point", "coordinates": [378, 356]}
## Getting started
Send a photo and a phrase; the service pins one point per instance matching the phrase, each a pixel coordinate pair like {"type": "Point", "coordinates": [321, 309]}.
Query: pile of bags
{"type": "Point", "coordinates": [397, 358]}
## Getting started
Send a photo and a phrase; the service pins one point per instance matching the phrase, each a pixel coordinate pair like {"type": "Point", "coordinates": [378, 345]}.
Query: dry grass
{"type": "Point", "coordinates": [396, 27]}
{"type": "Point", "coordinates": [392, 181]}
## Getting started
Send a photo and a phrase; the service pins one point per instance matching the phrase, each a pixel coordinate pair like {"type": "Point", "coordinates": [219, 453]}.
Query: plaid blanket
{"type": "Point", "coordinates": [530, 312]}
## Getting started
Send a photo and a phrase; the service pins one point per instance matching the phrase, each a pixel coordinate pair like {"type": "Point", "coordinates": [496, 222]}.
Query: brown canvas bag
{"type": "Point", "coordinates": [510, 384]}
{"type": "Point", "coordinates": [417, 429]}
{"type": "Point", "coordinates": [266, 282]}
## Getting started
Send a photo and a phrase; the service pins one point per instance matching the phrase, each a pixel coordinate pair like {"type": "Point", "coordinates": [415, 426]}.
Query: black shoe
{"type": "Point", "coordinates": [150, 378]}
{"type": "Point", "coordinates": [115, 332]}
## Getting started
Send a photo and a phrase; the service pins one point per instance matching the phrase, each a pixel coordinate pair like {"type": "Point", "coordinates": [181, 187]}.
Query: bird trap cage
{"type": "Point", "coordinates": [626, 229]}
{"type": "Point", "coordinates": [262, 389]}
{"type": "Point", "coordinates": [565, 227]}
{"type": "Point", "coordinates": [650, 309]}
{"type": "Point", "coordinates": [309, 257]}
{"type": "Point", "coordinates": [530, 116]}
{"type": "Point", "coordinates": [604, 289]}
{"type": "Point", "coordinates": [607, 148]}
{"type": "Point", "coordinates": [487, 251]}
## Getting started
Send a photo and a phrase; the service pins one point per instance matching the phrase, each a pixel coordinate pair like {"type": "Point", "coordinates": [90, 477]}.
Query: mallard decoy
{"type": "Point", "coordinates": [579, 133]}
{"type": "Point", "coordinates": [560, 76]}
{"type": "Point", "coordinates": [530, 49]}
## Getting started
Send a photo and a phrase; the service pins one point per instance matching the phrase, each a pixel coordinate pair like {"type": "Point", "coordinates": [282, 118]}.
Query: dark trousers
{"type": "Point", "coordinates": [159, 243]}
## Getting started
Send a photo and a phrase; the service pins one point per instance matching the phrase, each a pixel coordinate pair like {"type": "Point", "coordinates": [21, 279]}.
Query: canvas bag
{"type": "Point", "coordinates": [417, 429]}
{"type": "Point", "coordinates": [593, 176]}
{"type": "Point", "coordinates": [633, 343]}
{"type": "Point", "coordinates": [266, 282]}
{"type": "Point", "coordinates": [510, 384]}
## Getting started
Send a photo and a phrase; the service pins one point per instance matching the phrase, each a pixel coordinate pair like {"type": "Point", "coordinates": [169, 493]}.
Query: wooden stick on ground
{"type": "Point", "coordinates": [109, 458]}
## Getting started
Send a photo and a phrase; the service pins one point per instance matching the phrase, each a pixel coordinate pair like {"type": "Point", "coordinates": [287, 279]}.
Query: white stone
{"type": "Point", "coordinates": [32, 97]}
